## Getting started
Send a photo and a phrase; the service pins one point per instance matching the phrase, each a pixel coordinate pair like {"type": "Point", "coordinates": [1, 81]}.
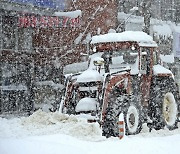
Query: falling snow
{"type": "Point", "coordinates": [69, 69]}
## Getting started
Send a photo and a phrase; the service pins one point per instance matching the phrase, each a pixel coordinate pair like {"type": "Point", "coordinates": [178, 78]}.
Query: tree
{"type": "Point", "coordinates": [146, 12]}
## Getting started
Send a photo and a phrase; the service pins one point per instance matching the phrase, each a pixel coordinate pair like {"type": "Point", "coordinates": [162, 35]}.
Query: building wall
{"type": "Point", "coordinates": [160, 9]}
{"type": "Point", "coordinates": [98, 16]}
{"type": "Point", "coordinates": [177, 13]}
{"type": "Point", "coordinates": [62, 43]}
{"type": "Point", "coordinates": [35, 54]}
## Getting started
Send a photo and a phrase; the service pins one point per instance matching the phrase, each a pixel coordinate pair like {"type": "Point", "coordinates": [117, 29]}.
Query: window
{"type": "Point", "coordinates": [155, 57]}
{"type": "Point", "coordinates": [25, 39]}
{"type": "Point", "coordinates": [9, 32]}
{"type": "Point", "coordinates": [144, 64]}
{"type": "Point", "coordinates": [15, 74]}
{"type": "Point", "coordinates": [145, 60]}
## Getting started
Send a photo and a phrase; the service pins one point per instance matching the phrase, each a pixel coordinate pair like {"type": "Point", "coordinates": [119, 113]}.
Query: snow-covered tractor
{"type": "Point", "coordinates": [124, 76]}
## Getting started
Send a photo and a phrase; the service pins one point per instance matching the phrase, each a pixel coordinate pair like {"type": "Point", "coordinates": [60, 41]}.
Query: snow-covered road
{"type": "Point", "coordinates": [52, 133]}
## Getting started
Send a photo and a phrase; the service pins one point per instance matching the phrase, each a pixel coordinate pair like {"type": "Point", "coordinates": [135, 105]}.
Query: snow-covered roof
{"type": "Point", "coordinates": [71, 14]}
{"type": "Point", "coordinates": [162, 30]}
{"type": "Point", "coordinates": [167, 58]}
{"type": "Point", "coordinates": [132, 36]}
{"type": "Point", "coordinates": [159, 27]}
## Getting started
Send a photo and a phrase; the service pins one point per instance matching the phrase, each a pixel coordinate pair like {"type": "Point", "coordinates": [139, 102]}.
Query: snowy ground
{"type": "Point", "coordinates": [54, 133]}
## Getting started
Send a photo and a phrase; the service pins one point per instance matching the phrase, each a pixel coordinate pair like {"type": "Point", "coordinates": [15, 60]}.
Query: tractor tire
{"type": "Point", "coordinates": [118, 105]}
{"type": "Point", "coordinates": [69, 108]}
{"type": "Point", "coordinates": [110, 124]}
{"type": "Point", "coordinates": [133, 119]}
{"type": "Point", "coordinates": [163, 105]}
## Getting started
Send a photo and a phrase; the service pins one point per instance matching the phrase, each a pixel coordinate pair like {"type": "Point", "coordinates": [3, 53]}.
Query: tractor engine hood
{"type": "Point", "coordinates": [159, 70]}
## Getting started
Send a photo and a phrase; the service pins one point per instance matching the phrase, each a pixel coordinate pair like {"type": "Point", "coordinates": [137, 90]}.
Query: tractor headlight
{"type": "Point", "coordinates": [98, 62]}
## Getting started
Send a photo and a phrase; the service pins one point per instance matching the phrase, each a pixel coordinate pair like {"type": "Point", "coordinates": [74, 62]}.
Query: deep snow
{"type": "Point", "coordinates": [54, 133]}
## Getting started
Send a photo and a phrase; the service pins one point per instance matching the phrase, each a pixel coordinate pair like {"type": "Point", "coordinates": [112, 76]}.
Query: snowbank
{"type": "Point", "coordinates": [43, 123]}
{"type": "Point", "coordinates": [47, 133]}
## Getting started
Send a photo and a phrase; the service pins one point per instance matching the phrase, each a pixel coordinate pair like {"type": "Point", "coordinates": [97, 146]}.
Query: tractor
{"type": "Point", "coordinates": [124, 75]}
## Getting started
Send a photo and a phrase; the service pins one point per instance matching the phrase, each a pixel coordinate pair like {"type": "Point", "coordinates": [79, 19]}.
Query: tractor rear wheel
{"type": "Point", "coordinates": [163, 106]}
{"type": "Point", "coordinates": [169, 110]}
{"type": "Point", "coordinates": [110, 124]}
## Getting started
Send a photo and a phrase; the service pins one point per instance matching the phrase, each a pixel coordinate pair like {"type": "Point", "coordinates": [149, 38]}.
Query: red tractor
{"type": "Point", "coordinates": [124, 76]}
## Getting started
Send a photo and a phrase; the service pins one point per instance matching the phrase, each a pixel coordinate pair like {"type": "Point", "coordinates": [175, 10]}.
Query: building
{"type": "Point", "coordinates": [17, 56]}
{"type": "Point", "coordinates": [38, 38]}
{"type": "Point", "coordinates": [160, 9]}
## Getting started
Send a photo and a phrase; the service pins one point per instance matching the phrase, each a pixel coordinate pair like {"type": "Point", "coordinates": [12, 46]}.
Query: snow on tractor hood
{"type": "Point", "coordinates": [158, 69]}
{"type": "Point", "coordinates": [140, 37]}
{"type": "Point", "coordinates": [88, 76]}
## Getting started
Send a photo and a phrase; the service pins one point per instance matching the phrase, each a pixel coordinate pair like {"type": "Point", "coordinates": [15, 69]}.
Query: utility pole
{"type": "Point", "coordinates": [122, 26]}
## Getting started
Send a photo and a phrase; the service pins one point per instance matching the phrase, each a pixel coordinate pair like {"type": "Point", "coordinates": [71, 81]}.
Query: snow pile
{"type": "Point", "coordinates": [43, 123]}
{"type": "Point", "coordinates": [86, 130]}
{"type": "Point", "coordinates": [41, 118]}
{"type": "Point", "coordinates": [160, 133]}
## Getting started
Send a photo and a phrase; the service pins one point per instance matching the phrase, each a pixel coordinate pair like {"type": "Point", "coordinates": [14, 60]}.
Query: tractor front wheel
{"type": "Point", "coordinates": [132, 117]}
